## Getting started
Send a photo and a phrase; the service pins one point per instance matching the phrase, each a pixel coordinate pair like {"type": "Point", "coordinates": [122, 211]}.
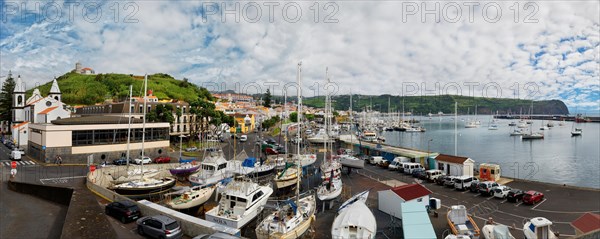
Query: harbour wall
{"type": "Point", "coordinates": [99, 181]}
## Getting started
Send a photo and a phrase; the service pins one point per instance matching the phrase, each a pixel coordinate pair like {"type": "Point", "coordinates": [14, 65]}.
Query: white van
{"type": "Point", "coordinates": [244, 138]}
{"type": "Point", "coordinates": [15, 155]}
{"type": "Point", "coordinates": [410, 167]}
{"type": "Point", "coordinates": [464, 182]}
{"type": "Point", "coordinates": [432, 174]}
{"type": "Point", "coordinates": [397, 163]}
{"type": "Point", "coordinates": [375, 160]}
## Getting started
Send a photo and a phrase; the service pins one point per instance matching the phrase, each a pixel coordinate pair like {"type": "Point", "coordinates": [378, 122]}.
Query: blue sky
{"type": "Point", "coordinates": [547, 51]}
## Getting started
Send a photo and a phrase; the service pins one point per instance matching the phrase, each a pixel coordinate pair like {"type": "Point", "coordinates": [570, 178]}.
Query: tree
{"type": "Point", "coordinates": [267, 100]}
{"type": "Point", "coordinates": [6, 98]}
{"type": "Point", "coordinates": [270, 122]}
{"type": "Point", "coordinates": [309, 117]}
{"type": "Point", "coordinates": [336, 114]}
{"type": "Point", "coordinates": [294, 117]}
{"type": "Point", "coordinates": [205, 110]}
{"type": "Point", "coordinates": [162, 113]}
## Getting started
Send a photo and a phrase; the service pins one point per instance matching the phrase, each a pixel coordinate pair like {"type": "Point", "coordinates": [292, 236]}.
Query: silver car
{"type": "Point", "coordinates": [159, 226]}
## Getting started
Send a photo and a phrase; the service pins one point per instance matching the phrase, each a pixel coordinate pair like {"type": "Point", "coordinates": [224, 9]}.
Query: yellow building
{"type": "Point", "coordinates": [244, 123]}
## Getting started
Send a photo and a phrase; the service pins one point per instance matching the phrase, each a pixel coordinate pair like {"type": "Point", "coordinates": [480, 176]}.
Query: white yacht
{"type": "Point", "coordinates": [192, 197]}
{"type": "Point", "coordinates": [212, 170]}
{"type": "Point", "coordinates": [329, 166]}
{"type": "Point", "coordinates": [241, 201]}
{"type": "Point", "coordinates": [330, 189]}
{"type": "Point", "coordinates": [354, 219]}
{"type": "Point", "coordinates": [496, 231]}
{"type": "Point", "coordinates": [538, 228]}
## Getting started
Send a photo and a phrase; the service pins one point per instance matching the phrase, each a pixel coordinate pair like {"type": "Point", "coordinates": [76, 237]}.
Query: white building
{"type": "Point", "coordinates": [390, 200]}
{"type": "Point", "coordinates": [454, 165]}
{"type": "Point", "coordinates": [35, 110]}
{"type": "Point", "coordinates": [105, 137]}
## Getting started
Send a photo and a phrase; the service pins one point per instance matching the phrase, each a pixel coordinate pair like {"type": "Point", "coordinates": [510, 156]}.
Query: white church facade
{"type": "Point", "coordinates": [35, 110]}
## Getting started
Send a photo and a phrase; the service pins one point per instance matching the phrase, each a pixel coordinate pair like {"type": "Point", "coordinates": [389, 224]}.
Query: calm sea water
{"type": "Point", "coordinates": [558, 158]}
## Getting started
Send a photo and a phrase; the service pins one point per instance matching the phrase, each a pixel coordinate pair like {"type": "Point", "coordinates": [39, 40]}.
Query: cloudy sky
{"type": "Point", "coordinates": [539, 50]}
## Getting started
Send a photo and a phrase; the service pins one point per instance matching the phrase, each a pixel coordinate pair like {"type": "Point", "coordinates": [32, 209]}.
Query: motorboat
{"type": "Point", "coordinates": [288, 177]}
{"type": "Point", "coordinates": [522, 125]}
{"type": "Point", "coordinates": [320, 137]}
{"type": "Point", "coordinates": [576, 132]}
{"type": "Point", "coordinates": [212, 170]}
{"type": "Point", "coordinates": [289, 222]}
{"type": "Point", "coordinates": [330, 189]}
{"type": "Point", "coordinates": [512, 124]}
{"type": "Point", "coordinates": [144, 186]}
{"type": "Point", "coordinates": [241, 201]}
{"type": "Point", "coordinates": [369, 136]}
{"type": "Point", "coordinates": [496, 231]}
{"type": "Point", "coordinates": [461, 223]}
{"type": "Point", "coordinates": [258, 169]}
{"type": "Point", "coordinates": [516, 132]}
{"type": "Point", "coordinates": [471, 124]}
{"type": "Point", "coordinates": [192, 197]}
{"type": "Point", "coordinates": [354, 219]}
{"type": "Point", "coordinates": [538, 228]}
{"type": "Point", "coordinates": [493, 127]}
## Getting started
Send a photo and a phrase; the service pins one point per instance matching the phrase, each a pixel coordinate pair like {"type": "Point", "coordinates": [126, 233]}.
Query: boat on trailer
{"type": "Point", "coordinates": [461, 223]}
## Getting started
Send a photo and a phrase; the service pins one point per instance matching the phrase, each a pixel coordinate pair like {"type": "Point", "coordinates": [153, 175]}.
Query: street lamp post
{"type": "Point", "coordinates": [180, 144]}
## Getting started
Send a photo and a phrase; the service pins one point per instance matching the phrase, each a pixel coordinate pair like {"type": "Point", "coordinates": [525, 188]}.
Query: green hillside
{"type": "Point", "coordinates": [444, 103]}
{"type": "Point", "coordinates": [80, 89]}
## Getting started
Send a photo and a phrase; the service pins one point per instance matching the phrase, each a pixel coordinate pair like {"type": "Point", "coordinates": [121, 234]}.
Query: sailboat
{"type": "Point", "coordinates": [241, 201]}
{"type": "Point", "coordinates": [191, 197]}
{"type": "Point", "coordinates": [294, 219]}
{"type": "Point", "coordinates": [144, 185]}
{"type": "Point", "coordinates": [288, 177]}
{"type": "Point", "coordinates": [330, 189]}
{"type": "Point", "coordinates": [531, 134]}
{"type": "Point", "coordinates": [354, 219]}
{"type": "Point", "coordinates": [575, 131]}
{"type": "Point", "coordinates": [543, 127]}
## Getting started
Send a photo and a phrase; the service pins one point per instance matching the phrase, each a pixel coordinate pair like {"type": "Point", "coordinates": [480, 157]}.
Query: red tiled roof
{"type": "Point", "coordinates": [87, 68]}
{"type": "Point", "coordinates": [587, 223]}
{"type": "Point", "coordinates": [451, 158]}
{"type": "Point", "coordinates": [48, 110]}
{"type": "Point", "coordinates": [411, 191]}
{"type": "Point", "coordinates": [19, 125]}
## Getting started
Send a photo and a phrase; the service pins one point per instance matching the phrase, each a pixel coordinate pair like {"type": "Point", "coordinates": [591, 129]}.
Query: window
{"type": "Point", "coordinates": [184, 128]}
{"type": "Point", "coordinates": [222, 166]}
{"type": "Point", "coordinates": [419, 199]}
{"type": "Point", "coordinates": [257, 196]}
{"type": "Point", "coordinates": [491, 171]}
{"type": "Point", "coordinates": [118, 136]}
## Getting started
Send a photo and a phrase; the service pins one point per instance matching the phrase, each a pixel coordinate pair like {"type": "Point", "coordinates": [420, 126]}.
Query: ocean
{"type": "Point", "coordinates": [558, 158]}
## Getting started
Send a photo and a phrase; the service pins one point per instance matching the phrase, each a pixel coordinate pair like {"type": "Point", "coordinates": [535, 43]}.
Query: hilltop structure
{"type": "Point", "coordinates": [83, 70]}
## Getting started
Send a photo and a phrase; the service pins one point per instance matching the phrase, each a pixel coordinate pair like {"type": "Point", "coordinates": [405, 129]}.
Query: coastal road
{"type": "Point", "coordinates": [561, 205]}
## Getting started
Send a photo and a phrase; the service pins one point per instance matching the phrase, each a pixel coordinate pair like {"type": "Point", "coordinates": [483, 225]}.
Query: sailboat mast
{"type": "Point", "coordinates": [351, 120]}
{"type": "Point", "coordinates": [455, 128]}
{"type": "Point", "coordinates": [299, 131]}
{"type": "Point", "coordinates": [129, 124]}
{"type": "Point", "coordinates": [144, 116]}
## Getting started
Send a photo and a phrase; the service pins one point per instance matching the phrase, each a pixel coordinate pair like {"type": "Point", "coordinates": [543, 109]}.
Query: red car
{"type": "Point", "coordinates": [271, 151]}
{"type": "Point", "coordinates": [533, 197]}
{"type": "Point", "coordinates": [162, 159]}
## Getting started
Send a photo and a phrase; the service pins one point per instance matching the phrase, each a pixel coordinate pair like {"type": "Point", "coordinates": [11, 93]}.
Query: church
{"type": "Point", "coordinates": [35, 110]}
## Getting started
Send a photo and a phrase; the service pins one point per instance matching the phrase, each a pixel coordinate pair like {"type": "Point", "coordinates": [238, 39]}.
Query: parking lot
{"type": "Point", "coordinates": [561, 204]}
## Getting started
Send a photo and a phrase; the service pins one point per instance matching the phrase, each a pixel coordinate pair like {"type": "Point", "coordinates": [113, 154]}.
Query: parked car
{"type": "Point", "coordinates": [410, 167]}
{"type": "Point", "coordinates": [121, 161]}
{"type": "Point", "coordinates": [146, 160]}
{"type": "Point", "coordinates": [501, 191]}
{"type": "Point", "coordinates": [440, 180]}
{"type": "Point", "coordinates": [15, 155]}
{"type": "Point", "coordinates": [464, 182]}
{"type": "Point", "coordinates": [485, 188]}
{"type": "Point", "coordinates": [191, 149]}
{"type": "Point", "coordinates": [244, 138]}
{"type": "Point", "coordinates": [515, 195]}
{"type": "Point", "coordinates": [533, 197]}
{"type": "Point", "coordinates": [384, 163]}
{"type": "Point", "coordinates": [159, 226]}
{"type": "Point", "coordinates": [280, 149]}
{"type": "Point", "coordinates": [474, 188]}
{"type": "Point", "coordinates": [271, 141]}
{"type": "Point", "coordinates": [420, 174]}
{"type": "Point", "coordinates": [449, 182]}
{"type": "Point", "coordinates": [162, 159]}
{"type": "Point", "coordinates": [271, 151]}
{"type": "Point", "coordinates": [432, 174]}
{"type": "Point", "coordinates": [396, 164]}
{"type": "Point", "coordinates": [125, 211]}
